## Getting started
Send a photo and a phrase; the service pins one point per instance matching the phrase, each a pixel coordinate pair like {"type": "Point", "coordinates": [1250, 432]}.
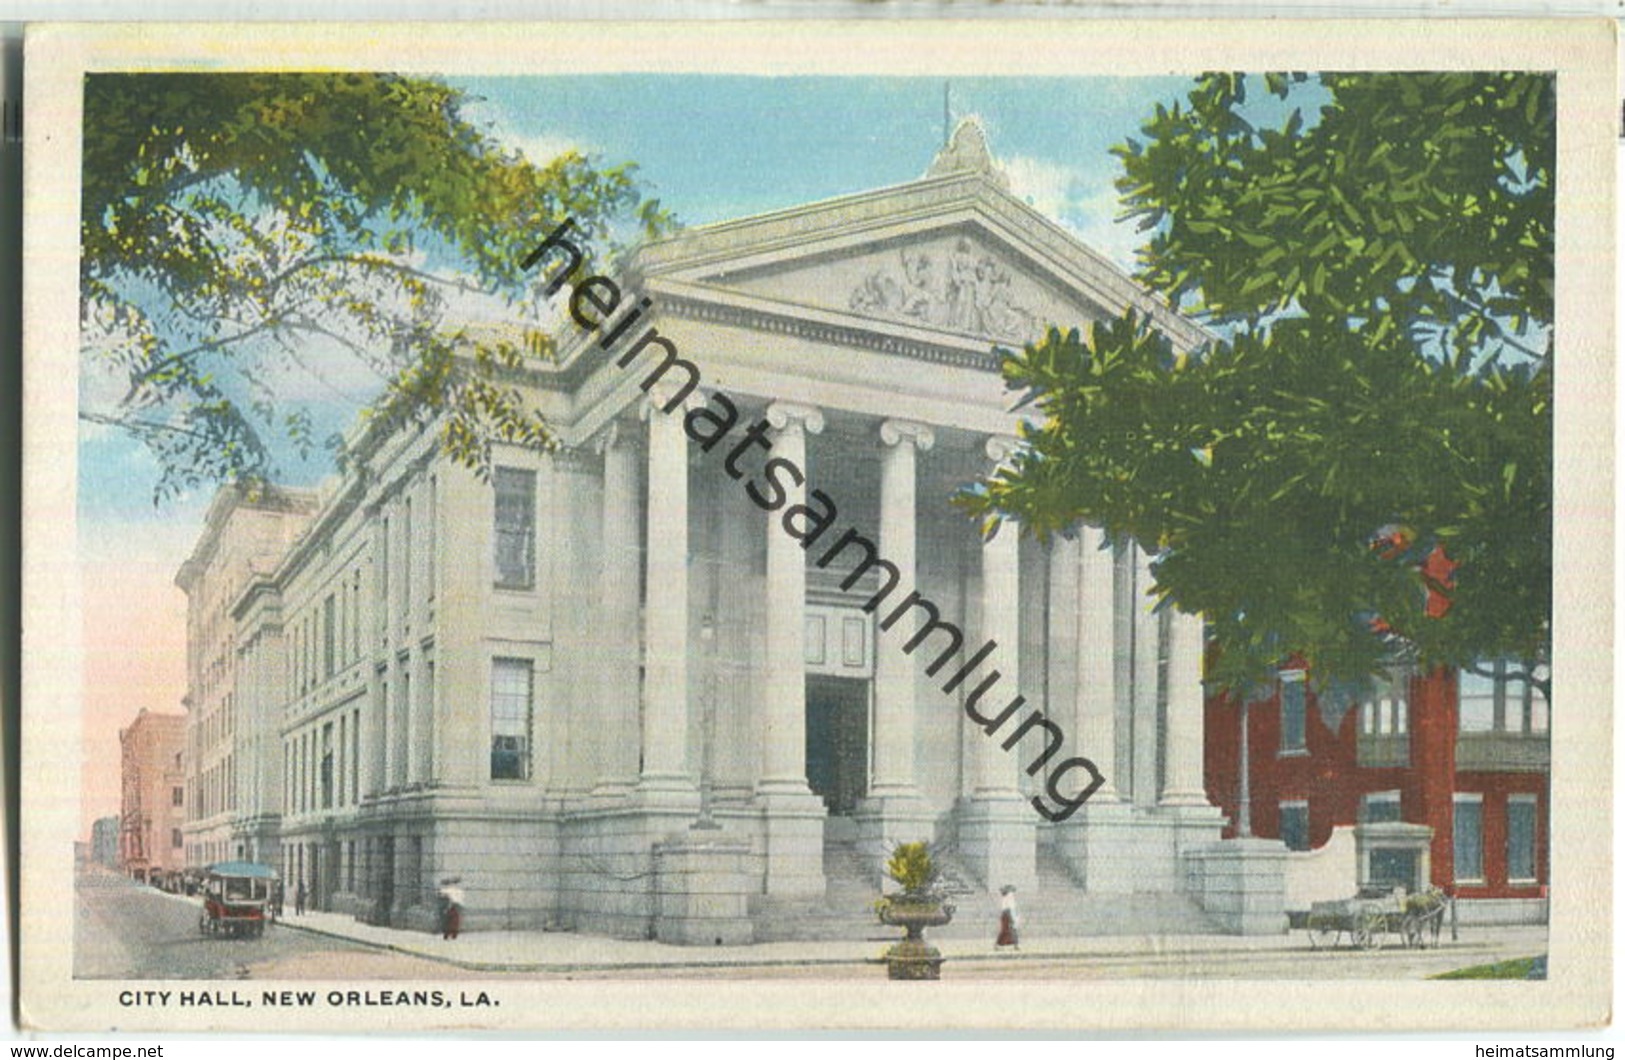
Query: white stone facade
{"type": "Point", "coordinates": [610, 692]}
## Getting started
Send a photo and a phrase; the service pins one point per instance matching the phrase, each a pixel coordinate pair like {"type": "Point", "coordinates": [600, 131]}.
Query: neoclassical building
{"type": "Point", "coordinates": [612, 689]}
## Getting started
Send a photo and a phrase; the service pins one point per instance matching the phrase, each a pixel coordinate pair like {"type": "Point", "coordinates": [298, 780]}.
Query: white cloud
{"type": "Point", "coordinates": [1048, 187]}
{"type": "Point", "coordinates": [1088, 209]}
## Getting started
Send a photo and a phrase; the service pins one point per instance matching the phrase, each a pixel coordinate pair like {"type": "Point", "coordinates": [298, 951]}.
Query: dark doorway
{"type": "Point", "coordinates": [838, 741]}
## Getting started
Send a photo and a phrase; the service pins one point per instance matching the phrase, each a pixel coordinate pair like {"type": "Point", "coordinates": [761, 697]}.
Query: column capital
{"type": "Point", "coordinates": [1001, 447]}
{"type": "Point", "coordinates": [782, 414]}
{"type": "Point", "coordinates": [657, 397]}
{"type": "Point", "coordinates": [895, 432]}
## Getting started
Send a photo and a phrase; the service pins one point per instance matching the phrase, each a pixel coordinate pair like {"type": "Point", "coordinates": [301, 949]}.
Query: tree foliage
{"type": "Point", "coordinates": [244, 234]}
{"type": "Point", "coordinates": [1361, 464]}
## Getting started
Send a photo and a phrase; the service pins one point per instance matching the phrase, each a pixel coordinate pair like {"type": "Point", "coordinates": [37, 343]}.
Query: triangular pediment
{"type": "Point", "coordinates": [954, 257]}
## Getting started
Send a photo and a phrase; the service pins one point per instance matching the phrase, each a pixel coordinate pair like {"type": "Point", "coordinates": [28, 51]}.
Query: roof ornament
{"type": "Point", "coordinates": [967, 152]}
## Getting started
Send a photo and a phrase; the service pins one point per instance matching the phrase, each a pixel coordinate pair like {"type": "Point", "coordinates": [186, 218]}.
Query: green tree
{"type": "Point", "coordinates": [1360, 462]}
{"type": "Point", "coordinates": [248, 236]}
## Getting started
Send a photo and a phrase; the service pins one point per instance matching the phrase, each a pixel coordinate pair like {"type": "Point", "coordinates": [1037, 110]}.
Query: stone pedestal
{"type": "Point", "coordinates": [792, 845]}
{"type": "Point", "coordinates": [1241, 883]}
{"type": "Point", "coordinates": [702, 888]}
{"type": "Point", "coordinates": [885, 822]}
{"type": "Point", "coordinates": [1104, 848]}
{"type": "Point", "coordinates": [998, 842]}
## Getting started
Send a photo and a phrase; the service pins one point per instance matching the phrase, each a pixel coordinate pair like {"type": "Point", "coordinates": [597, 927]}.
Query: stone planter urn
{"type": "Point", "coordinates": [913, 957]}
{"type": "Point", "coordinates": [919, 905]}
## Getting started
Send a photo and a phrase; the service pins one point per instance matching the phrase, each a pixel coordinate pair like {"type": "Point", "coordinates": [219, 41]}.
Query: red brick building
{"type": "Point", "coordinates": [153, 802]}
{"type": "Point", "coordinates": [1345, 783]}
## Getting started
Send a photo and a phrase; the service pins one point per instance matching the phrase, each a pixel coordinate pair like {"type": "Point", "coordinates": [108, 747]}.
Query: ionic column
{"type": "Point", "coordinates": [1001, 623]}
{"type": "Point", "coordinates": [1097, 700]}
{"type": "Point", "coordinates": [894, 670]}
{"type": "Point", "coordinates": [1147, 652]}
{"type": "Point", "coordinates": [617, 613]}
{"type": "Point", "coordinates": [1183, 784]}
{"type": "Point", "coordinates": [665, 643]}
{"type": "Point", "coordinates": [784, 729]}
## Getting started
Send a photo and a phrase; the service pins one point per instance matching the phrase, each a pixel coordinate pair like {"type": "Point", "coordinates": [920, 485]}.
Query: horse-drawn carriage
{"type": "Point", "coordinates": [1377, 913]}
{"type": "Point", "coordinates": [238, 899]}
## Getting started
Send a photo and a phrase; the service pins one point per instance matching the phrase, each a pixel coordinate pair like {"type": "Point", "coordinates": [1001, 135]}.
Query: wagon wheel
{"type": "Point", "coordinates": [1322, 935]}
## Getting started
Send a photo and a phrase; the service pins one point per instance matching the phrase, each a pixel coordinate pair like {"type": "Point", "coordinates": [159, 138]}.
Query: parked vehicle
{"type": "Point", "coordinates": [1376, 912]}
{"type": "Point", "coordinates": [237, 899]}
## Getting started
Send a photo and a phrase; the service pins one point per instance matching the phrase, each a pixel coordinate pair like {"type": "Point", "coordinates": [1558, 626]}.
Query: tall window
{"type": "Point", "coordinates": [1386, 711]}
{"type": "Point", "coordinates": [1503, 696]}
{"type": "Point", "coordinates": [1469, 838]}
{"type": "Point", "coordinates": [1294, 709]}
{"type": "Point", "coordinates": [329, 630]}
{"type": "Point", "coordinates": [515, 528]}
{"type": "Point", "coordinates": [1295, 824]}
{"type": "Point", "coordinates": [177, 796]}
{"type": "Point", "coordinates": [511, 709]}
{"type": "Point", "coordinates": [1521, 838]}
{"type": "Point", "coordinates": [327, 766]}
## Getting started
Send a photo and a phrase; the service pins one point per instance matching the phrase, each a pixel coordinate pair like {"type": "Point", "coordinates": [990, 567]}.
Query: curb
{"type": "Point", "coordinates": [792, 962]}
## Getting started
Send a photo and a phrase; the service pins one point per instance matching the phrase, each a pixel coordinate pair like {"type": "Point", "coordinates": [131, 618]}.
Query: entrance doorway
{"type": "Point", "coordinates": [838, 741]}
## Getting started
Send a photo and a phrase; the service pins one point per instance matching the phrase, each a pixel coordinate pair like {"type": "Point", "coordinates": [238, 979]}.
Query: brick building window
{"type": "Point", "coordinates": [177, 796]}
{"type": "Point", "coordinates": [1294, 713]}
{"type": "Point", "coordinates": [1295, 824]}
{"type": "Point", "coordinates": [1379, 807]}
{"type": "Point", "coordinates": [1521, 838]}
{"type": "Point", "coordinates": [1469, 838]}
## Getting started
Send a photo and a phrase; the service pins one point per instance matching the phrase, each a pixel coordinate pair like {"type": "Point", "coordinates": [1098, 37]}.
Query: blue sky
{"type": "Point", "coordinates": [715, 148]}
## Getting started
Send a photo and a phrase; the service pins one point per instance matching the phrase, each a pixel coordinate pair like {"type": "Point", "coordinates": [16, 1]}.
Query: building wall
{"type": "Point", "coordinates": [149, 817]}
{"type": "Point", "coordinates": [1340, 765]}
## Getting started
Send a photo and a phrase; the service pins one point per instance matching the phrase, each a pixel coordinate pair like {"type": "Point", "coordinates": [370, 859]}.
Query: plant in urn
{"type": "Point", "coordinates": [919, 904]}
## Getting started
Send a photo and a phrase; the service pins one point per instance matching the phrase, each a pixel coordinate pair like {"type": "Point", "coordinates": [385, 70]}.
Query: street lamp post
{"type": "Point", "coordinates": [1244, 798]}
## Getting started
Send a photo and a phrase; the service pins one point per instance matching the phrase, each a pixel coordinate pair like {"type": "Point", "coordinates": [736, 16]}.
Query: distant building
{"type": "Point", "coordinates": [233, 752]}
{"type": "Point", "coordinates": [153, 794]}
{"type": "Point", "coordinates": [104, 841]}
{"type": "Point", "coordinates": [1438, 779]}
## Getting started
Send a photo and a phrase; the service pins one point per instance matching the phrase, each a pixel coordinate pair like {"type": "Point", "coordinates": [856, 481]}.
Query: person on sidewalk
{"type": "Point", "coordinates": [1009, 919]}
{"type": "Point", "coordinates": [299, 899]}
{"type": "Point", "coordinates": [451, 907]}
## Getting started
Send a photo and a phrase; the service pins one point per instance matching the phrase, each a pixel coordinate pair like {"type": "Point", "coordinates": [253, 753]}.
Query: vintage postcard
{"type": "Point", "coordinates": [931, 525]}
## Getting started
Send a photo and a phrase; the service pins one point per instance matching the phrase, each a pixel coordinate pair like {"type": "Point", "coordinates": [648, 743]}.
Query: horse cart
{"type": "Point", "coordinates": [1377, 915]}
{"type": "Point", "coordinates": [237, 899]}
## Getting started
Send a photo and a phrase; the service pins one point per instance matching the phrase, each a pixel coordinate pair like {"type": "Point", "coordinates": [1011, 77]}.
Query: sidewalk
{"type": "Point", "coordinates": [566, 952]}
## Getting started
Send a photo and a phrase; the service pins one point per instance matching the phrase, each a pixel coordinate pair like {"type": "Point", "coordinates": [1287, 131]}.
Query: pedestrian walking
{"type": "Point", "coordinates": [1009, 919]}
{"type": "Point", "coordinates": [451, 907]}
{"type": "Point", "coordinates": [299, 899]}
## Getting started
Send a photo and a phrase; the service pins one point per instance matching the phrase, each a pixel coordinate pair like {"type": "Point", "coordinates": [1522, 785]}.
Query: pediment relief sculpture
{"type": "Point", "coordinates": [960, 289]}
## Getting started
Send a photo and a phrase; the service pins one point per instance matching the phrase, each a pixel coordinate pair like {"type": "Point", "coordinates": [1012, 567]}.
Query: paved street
{"type": "Point", "coordinates": [124, 930]}
{"type": "Point", "coordinates": [127, 930]}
